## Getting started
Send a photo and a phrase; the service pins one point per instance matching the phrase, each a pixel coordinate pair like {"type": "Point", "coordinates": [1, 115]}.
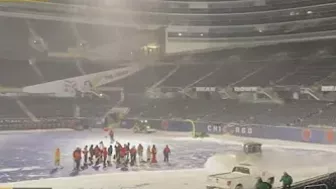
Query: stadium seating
{"type": "Point", "coordinates": [14, 39]}
{"type": "Point", "coordinates": [234, 19]}
{"type": "Point", "coordinates": [46, 107]}
{"type": "Point", "coordinates": [225, 110]}
{"type": "Point", "coordinates": [52, 71]}
{"type": "Point", "coordinates": [95, 106]}
{"type": "Point", "coordinates": [141, 81]}
{"type": "Point", "coordinates": [310, 72]}
{"type": "Point", "coordinates": [17, 73]}
{"type": "Point", "coordinates": [10, 109]}
{"type": "Point", "coordinates": [53, 107]}
{"type": "Point", "coordinates": [58, 35]}
{"type": "Point", "coordinates": [215, 6]}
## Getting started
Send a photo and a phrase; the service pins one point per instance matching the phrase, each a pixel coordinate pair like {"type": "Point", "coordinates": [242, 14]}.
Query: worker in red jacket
{"type": "Point", "coordinates": [122, 154]}
{"type": "Point", "coordinates": [153, 159]}
{"type": "Point", "coordinates": [104, 156]}
{"type": "Point", "coordinates": [166, 152]}
{"type": "Point", "coordinates": [98, 155]}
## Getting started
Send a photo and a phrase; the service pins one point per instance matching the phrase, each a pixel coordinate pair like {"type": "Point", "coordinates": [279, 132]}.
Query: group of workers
{"type": "Point", "coordinates": [124, 155]}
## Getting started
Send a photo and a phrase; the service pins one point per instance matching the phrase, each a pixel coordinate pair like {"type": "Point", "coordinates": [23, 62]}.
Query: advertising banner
{"type": "Point", "coordinates": [329, 88]}
{"type": "Point", "coordinates": [85, 83]}
{"type": "Point", "coordinates": [245, 89]}
{"type": "Point", "coordinates": [214, 128]}
{"type": "Point", "coordinates": [180, 126]}
{"type": "Point", "coordinates": [205, 89]}
{"type": "Point", "coordinates": [26, 123]}
{"type": "Point", "coordinates": [298, 134]}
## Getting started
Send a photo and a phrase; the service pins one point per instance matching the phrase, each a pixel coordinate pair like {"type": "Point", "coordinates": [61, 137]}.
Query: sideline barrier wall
{"type": "Point", "coordinates": [298, 134]}
{"type": "Point", "coordinates": [7, 124]}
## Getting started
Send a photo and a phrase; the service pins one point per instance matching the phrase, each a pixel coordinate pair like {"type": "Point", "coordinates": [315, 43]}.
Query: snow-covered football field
{"type": "Point", "coordinates": [28, 156]}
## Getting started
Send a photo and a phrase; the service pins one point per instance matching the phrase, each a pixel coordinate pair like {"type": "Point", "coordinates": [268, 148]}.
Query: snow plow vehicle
{"type": "Point", "coordinates": [252, 148]}
{"type": "Point", "coordinates": [242, 176]}
{"type": "Point", "coordinates": [245, 174]}
{"type": "Point", "coordinates": [142, 126]}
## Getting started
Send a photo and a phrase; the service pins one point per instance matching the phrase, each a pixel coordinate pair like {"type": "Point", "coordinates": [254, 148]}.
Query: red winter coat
{"type": "Point", "coordinates": [122, 152]}
{"type": "Point", "coordinates": [133, 151]}
{"type": "Point", "coordinates": [105, 152]}
{"type": "Point", "coordinates": [166, 150]}
{"type": "Point", "coordinates": [96, 151]}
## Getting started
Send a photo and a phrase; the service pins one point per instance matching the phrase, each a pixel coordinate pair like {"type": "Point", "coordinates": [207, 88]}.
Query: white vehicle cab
{"type": "Point", "coordinates": [241, 176]}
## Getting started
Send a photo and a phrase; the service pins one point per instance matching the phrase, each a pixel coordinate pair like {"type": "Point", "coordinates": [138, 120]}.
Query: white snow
{"type": "Point", "coordinates": [6, 170]}
{"type": "Point", "coordinates": [181, 179]}
{"type": "Point", "coordinates": [184, 179]}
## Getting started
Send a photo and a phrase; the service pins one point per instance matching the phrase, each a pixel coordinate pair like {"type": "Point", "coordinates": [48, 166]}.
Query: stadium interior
{"type": "Point", "coordinates": [289, 82]}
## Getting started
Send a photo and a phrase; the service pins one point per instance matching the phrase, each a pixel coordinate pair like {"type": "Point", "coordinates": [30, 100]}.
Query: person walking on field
{"type": "Point", "coordinates": [77, 155]}
{"type": "Point", "coordinates": [153, 160]}
{"type": "Point", "coordinates": [104, 156]}
{"type": "Point", "coordinates": [166, 153]}
{"type": "Point", "coordinates": [109, 153]}
{"type": "Point", "coordinates": [57, 158]}
{"type": "Point", "coordinates": [85, 153]}
{"type": "Point", "coordinates": [140, 153]}
{"type": "Point", "coordinates": [149, 153]}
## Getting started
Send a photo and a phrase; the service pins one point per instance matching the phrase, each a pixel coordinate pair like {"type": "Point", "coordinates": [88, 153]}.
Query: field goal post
{"type": "Point", "coordinates": [193, 127]}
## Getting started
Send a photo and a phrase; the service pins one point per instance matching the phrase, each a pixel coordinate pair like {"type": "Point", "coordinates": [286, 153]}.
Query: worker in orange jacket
{"type": "Point", "coordinates": [57, 158]}
{"type": "Point", "coordinates": [77, 155]}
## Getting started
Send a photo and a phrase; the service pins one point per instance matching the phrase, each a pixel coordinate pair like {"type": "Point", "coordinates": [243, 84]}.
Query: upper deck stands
{"type": "Point", "coordinates": [187, 74]}
{"type": "Point", "coordinates": [214, 7]}
{"type": "Point", "coordinates": [229, 19]}
{"type": "Point", "coordinates": [59, 36]}
{"type": "Point", "coordinates": [201, 6]}
{"type": "Point", "coordinates": [229, 74]}
{"type": "Point", "coordinates": [309, 72]}
{"type": "Point", "coordinates": [14, 39]}
{"type": "Point", "coordinates": [52, 71]}
{"type": "Point", "coordinates": [143, 79]}
{"type": "Point", "coordinates": [17, 73]}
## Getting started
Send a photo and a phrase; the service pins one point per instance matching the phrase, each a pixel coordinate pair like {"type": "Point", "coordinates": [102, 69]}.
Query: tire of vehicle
{"type": "Point", "coordinates": [239, 186]}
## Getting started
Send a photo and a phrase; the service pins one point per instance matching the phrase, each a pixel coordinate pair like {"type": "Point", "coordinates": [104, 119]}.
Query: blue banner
{"type": "Point", "coordinates": [298, 134]}
{"type": "Point", "coordinates": [181, 126]}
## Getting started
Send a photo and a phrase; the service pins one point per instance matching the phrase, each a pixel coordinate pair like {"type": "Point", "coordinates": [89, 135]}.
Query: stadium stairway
{"type": "Point", "coordinates": [26, 110]}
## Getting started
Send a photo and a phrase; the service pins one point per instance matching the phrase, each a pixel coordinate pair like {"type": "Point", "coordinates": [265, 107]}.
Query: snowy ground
{"type": "Point", "coordinates": [29, 156]}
